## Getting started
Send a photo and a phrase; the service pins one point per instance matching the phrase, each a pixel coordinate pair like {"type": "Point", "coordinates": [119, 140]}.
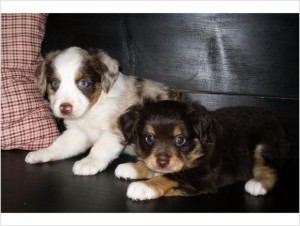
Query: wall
{"type": "Point", "coordinates": [216, 59]}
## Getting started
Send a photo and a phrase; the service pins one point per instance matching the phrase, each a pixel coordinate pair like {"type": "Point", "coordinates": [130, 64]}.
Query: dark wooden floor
{"type": "Point", "coordinates": [52, 187]}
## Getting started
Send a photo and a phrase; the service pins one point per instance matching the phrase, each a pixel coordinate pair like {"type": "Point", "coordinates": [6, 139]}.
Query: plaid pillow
{"type": "Point", "coordinates": [26, 119]}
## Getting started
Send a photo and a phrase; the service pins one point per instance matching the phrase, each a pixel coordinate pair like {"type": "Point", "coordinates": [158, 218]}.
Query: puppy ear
{"type": "Point", "coordinates": [40, 72]}
{"type": "Point", "coordinates": [128, 122]}
{"type": "Point", "coordinates": [201, 121]}
{"type": "Point", "coordinates": [40, 78]}
{"type": "Point", "coordinates": [206, 127]}
{"type": "Point", "coordinates": [106, 67]}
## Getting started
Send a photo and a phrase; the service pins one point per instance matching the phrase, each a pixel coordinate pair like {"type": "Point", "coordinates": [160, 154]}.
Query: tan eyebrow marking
{"type": "Point", "coordinates": [176, 131]}
{"type": "Point", "coordinates": [150, 129]}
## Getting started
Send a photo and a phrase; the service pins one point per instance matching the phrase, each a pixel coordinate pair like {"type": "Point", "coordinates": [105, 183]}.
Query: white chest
{"type": "Point", "coordinates": [97, 120]}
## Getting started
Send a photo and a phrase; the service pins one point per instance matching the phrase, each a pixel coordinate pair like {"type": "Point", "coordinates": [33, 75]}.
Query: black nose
{"type": "Point", "coordinates": [163, 160]}
{"type": "Point", "coordinates": [65, 108]}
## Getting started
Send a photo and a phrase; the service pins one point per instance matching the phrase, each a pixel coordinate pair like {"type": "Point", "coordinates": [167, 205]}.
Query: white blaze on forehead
{"type": "Point", "coordinates": [68, 62]}
{"type": "Point", "coordinates": [67, 65]}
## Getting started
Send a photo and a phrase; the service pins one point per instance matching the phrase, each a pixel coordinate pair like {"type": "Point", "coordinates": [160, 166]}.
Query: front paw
{"type": "Point", "coordinates": [126, 171]}
{"type": "Point", "coordinates": [141, 191]}
{"type": "Point", "coordinates": [88, 166]}
{"type": "Point", "coordinates": [40, 156]}
{"type": "Point", "coordinates": [255, 188]}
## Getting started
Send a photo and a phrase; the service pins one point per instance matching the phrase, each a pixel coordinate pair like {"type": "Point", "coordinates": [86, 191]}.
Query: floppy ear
{"type": "Point", "coordinates": [106, 67]}
{"type": "Point", "coordinates": [201, 121]}
{"type": "Point", "coordinates": [128, 123]}
{"type": "Point", "coordinates": [40, 78]}
{"type": "Point", "coordinates": [40, 72]}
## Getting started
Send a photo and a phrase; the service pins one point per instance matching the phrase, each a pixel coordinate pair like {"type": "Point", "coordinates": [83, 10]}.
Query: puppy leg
{"type": "Point", "coordinates": [107, 148]}
{"type": "Point", "coordinates": [264, 176]}
{"type": "Point", "coordinates": [264, 180]}
{"type": "Point", "coordinates": [72, 142]}
{"type": "Point", "coordinates": [133, 171]}
{"type": "Point", "coordinates": [153, 188]}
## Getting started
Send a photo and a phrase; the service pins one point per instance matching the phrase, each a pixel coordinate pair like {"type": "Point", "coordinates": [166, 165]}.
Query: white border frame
{"type": "Point", "coordinates": [124, 6]}
{"type": "Point", "coordinates": [136, 219]}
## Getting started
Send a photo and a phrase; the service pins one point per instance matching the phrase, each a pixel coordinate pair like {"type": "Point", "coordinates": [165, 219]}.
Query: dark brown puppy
{"type": "Point", "coordinates": [185, 150]}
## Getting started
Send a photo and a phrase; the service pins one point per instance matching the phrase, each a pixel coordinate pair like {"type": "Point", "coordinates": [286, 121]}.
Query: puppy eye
{"type": "Point", "coordinates": [180, 140]}
{"type": "Point", "coordinates": [82, 84]}
{"type": "Point", "coordinates": [55, 84]}
{"type": "Point", "coordinates": [149, 138]}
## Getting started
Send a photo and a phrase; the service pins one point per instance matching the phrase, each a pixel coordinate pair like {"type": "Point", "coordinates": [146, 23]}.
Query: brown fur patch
{"type": "Point", "coordinates": [50, 90]}
{"type": "Point", "coordinates": [160, 97]}
{"type": "Point", "coordinates": [266, 175]}
{"type": "Point", "coordinates": [105, 66]}
{"type": "Point", "coordinates": [44, 71]}
{"type": "Point", "coordinates": [96, 94]}
{"type": "Point", "coordinates": [150, 129]}
{"type": "Point", "coordinates": [142, 171]}
{"type": "Point", "coordinates": [175, 95]}
{"type": "Point", "coordinates": [139, 87]}
{"type": "Point", "coordinates": [258, 159]}
{"type": "Point", "coordinates": [94, 89]}
{"type": "Point", "coordinates": [40, 79]}
{"type": "Point", "coordinates": [177, 131]}
{"type": "Point", "coordinates": [51, 75]}
{"type": "Point", "coordinates": [78, 76]}
{"type": "Point", "coordinates": [151, 90]}
{"type": "Point", "coordinates": [175, 164]}
{"type": "Point", "coordinates": [163, 186]}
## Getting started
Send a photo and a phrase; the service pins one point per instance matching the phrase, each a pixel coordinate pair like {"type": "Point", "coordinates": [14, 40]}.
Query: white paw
{"type": "Point", "coordinates": [126, 171]}
{"type": "Point", "coordinates": [140, 191]}
{"type": "Point", "coordinates": [40, 156]}
{"type": "Point", "coordinates": [88, 166]}
{"type": "Point", "coordinates": [255, 188]}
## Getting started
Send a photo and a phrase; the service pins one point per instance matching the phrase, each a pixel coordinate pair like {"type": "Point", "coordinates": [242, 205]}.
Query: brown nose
{"type": "Point", "coordinates": [65, 108]}
{"type": "Point", "coordinates": [162, 160]}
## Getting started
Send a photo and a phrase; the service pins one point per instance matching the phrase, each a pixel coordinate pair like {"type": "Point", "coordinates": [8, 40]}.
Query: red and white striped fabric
{"type": "Point", "coordinates": [26, 119]}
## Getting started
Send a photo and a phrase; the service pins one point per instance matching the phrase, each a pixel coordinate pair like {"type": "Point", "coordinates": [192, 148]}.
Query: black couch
{"type": "Point", "coordinates": [216, 59]}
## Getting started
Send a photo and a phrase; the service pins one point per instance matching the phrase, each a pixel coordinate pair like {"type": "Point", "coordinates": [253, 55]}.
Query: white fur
{"type": "Point", "coordinates": [66, 65]}
{"type": "Point", "coordinates": [88, 127]}
{"type": "Point", "coordinates": [126, 171]}
{"type": "Point", "coordinates": [140, 191]}
{"type": "Point", "coordinates": [129, 150]}
{"type": "Point", "coordinates": [106, 149]}
{"type": "Point", "coordinates": [255, 188]}
{"type": "Point", "coordinates": [93, 128]}
{"type": "Point", "coordinates": [72, 142]}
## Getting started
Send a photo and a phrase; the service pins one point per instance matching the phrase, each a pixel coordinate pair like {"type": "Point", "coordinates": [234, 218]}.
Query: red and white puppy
{"type": "Point", "coordinates": [87, 90]}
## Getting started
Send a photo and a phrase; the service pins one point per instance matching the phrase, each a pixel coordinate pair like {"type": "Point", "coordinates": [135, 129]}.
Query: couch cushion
{"type": "Point", "coordinates": [26, 119]}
